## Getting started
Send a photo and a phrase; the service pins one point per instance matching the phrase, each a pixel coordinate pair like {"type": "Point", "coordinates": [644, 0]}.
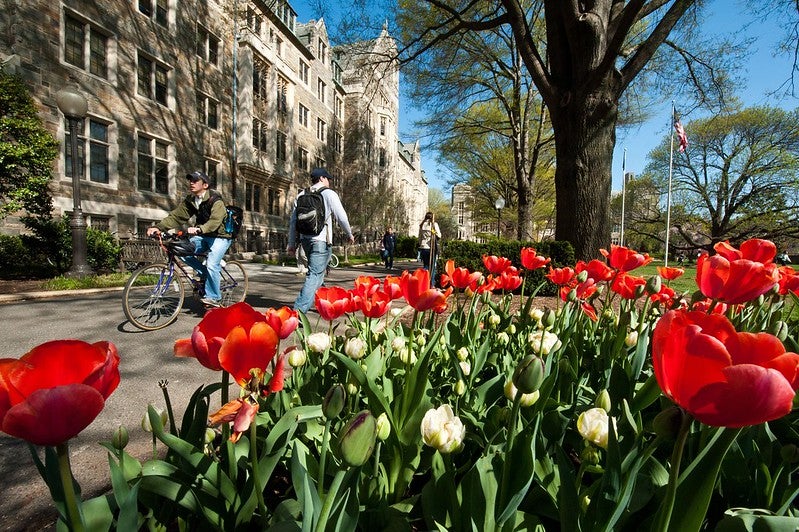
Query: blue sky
{"type": "Point", "coordinates": [763, 72]}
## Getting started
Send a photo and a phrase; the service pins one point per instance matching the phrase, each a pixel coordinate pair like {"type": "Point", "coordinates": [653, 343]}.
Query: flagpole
{"type": "Point", "coordinates": [623, 194]}
{"type": "Point", "coordinates": [668, 194]}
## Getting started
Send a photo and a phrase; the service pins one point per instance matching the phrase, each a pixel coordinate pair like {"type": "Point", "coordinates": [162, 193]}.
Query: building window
{"type": "Point", "coordinates": [320, 90]}
{"type": "Point", "coordinates": [382, 157]}
{"type": "Point", "coordinates": [280, 153]}
{"type": "Point", "coordinates": [285, 13]}
{"type": "Point", "coordinates": [158, 12]}
{"type": "Point", "coordinates": [320, 163]}
{"type": "Point", "coordinates": [303, 115]}
{"type": "Point", "coordinates": [461, 212]}
{"type": "Point", "coordinates": [211, 171]}
{"type": "Point", "coordinates": [207, 45]}
{"type": "Point", "coordinates": [301, 159]}
{"type": "Point", "coordinates": [142, 225]}
{"type": "Point", "coordinates": [153, 79]}
{"type": "Point", "coordinates": [207, 111]}
{"type": "Point", "coordinates": [383, 121]}
{"type": "Point", "coordinates": [282, 94]}
{"type": "Point", "coordinates": [99, 223]}
{"type": "Point", "coordinates": [338, 107]}
{"type": "Point", "coordinates": [279, 46]}
{"type": "Point", "coordinates": [338, 142]}
{"type": "Point", "coordinates": [252, 196]}
{"type": "Point", "coordinates": [94, 139]}
{"type": "Point", "coordinates": [304, 71]}
{"type": "Point", "coordinates": [254, 20]}
{"type": "Point", "coordinates": [273, 202]}
{"type": "Point", "coordinates": [260, 76]}
{"type": "Point", "coordinates": [321, 129]}
{"type": "Point", "coordinates": [322, 51]}
{"type": "Point", "coordinates": [85, 46]}
{"type": "Point", "coordinates": [153, 165]}
{"type": "Point", "coordinates": [259, 135]}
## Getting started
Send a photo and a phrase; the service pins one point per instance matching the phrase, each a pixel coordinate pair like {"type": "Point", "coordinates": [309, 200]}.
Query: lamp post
{"type": "Point", "coordinates": [74, 106]}
{"type": "Point", "coordinates": [498, 205]}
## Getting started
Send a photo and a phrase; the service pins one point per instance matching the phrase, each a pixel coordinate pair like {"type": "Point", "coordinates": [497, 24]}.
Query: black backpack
{"type": "Point", "coordinates": [311, 213]}
{"type": "Point", "coordinates": [234, 216]}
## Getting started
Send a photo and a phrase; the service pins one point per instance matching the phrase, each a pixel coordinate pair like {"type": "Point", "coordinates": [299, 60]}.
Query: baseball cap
{"type": "Point", "coordinates": [319, 173]}
{"type": "Point", "coordinates": [196, 176]}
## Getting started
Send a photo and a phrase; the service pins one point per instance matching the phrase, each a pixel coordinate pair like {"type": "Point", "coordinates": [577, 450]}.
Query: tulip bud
{"type": "Point", "coordinates": [585, 502]}
{"type": "Point", "coordinates": [572, 296]}
{"type": "Point", "coordinates": [527, 399]}
{"type": "Point", "coordinates": [653, 285]}
{"type": "Point", "coordinates": [466, 368]}
{"type": "Point", "coordinates": [667, 423]}
{"type": "Point", "coordinates": [593, 426]}
{"type": "Point", "coordinates": [145, 421]}
{"type": "Point", "coordinates": [460, 387]}
{"type": "Point", "coordinates": [543, 342]}
{"type": "Point", "coordinates": [503, 338]}
{"type": "Point", "coordinates": [420, 340]}
{"type": "Point", "coordinates": [120, 438]}
{"type": "Point", "coordinates": [297, 358]}
{"type": "Point", "coordinates": [603, 400]}
{"type": "Point", "coordinates": [442, 340]}
{"type": "Point", "coordinates": [511, 329]}
{"type": "Point", "coordinates": [358, 439]}
{"type": "Point", "coordinates": [318, 342]}
{"type": "Point", "coordinates": [210, 436]}
{"type": "Point", "coordinates": [549, 317]}
{"type": "Point", "coordinates": [582, 276]}
{"type": "Point", "coordinates": [789, 453]}
{"type": "Point", "coordinates": [780, 330]}
{"type": "Point", "coordinates": [590, 455]}
{"type": "Point", "coordinates": [333, 403]}
{"type": "Point", "coordinates": [462, 353]}
{"type": "Point", "coordinates": [536, 314]}
{"type": "Point", "coordinates": [631, 339]}
{"type": "Point", "coordinates": [407, 357]}
{"type": "Point", "coordinates": [493, 321]}
{"type": "Point", "coordinates": [639, 290]}
{"type": "Point", "coordinates": [355, 348]}
{"type": "Point", "coordinates": [398, 343]}
{"type": "Point", "coordinates": [383, 427]}
{"type": "Point", "coordinates": [529, 374]}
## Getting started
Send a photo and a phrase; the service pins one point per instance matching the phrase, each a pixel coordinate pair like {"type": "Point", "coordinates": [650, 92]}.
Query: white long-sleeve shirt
{"type": "Point", "coordinates": [333, 209]}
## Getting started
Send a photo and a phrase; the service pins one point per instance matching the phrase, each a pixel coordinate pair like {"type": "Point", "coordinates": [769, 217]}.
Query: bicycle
{"type": "Point", "coordinates": [302, 260]}
{"type": "Point", "coordinates": [154, 294]}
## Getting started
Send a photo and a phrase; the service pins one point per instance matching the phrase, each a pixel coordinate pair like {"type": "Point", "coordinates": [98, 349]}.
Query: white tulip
{"type": "Point", "coordinates": [442, 429]}
{"type": "Point", "coordinates": [543, 342]}
{"type": "Point", "coordinates": [319, 342]}
{"type": "Point", "coordinates": [593, 426]}
{"type": "Point", "coordinates": [355, 348]}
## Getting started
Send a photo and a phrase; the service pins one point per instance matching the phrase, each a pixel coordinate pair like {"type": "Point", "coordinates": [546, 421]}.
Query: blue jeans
{"type": "Point", "coordinates": [216, 248]}
{"type": "Point", "coordinates": [318, 253]}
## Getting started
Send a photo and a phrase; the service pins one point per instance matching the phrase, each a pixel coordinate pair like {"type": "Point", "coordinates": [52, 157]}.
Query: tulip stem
{"type": "Point", "coordinates": [671, 491]}
{"type": "Point", "coordinates": [324, 515]}
{"type": "Point", "coordinates": [172, 428]}
{"type": "Point", "coordinates": [74, 518]}
{"type": "Point", "coordinates": [256, 471]}
{"type": "Point", "coordinates": [225, 398]}
{"type": "Point", "coordinates": [506, 468]}
{"type": "Point", "coordinates": [320, 485]}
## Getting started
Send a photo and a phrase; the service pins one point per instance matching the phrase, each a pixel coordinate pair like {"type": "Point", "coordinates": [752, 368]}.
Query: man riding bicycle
{"type": "Point", "coordinates": [208, 233]}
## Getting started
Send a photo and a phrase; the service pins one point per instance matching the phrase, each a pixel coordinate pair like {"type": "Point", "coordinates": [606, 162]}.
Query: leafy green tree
{"type": "Point", "coordinates": [27, 151]}
{"type": "Point", "coordinates": [736, 180]}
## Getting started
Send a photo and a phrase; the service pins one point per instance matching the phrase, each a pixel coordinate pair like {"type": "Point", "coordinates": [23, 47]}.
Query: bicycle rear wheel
{"type": "Point", "coordinates": [333, 261]}
{"type": "Point", "coordinates": [233, 283]}
{"type": "Point", "coordinates": [153, 297]}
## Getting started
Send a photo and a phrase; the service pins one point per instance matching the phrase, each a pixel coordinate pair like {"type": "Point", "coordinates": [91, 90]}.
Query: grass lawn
{"type": "Point", "coordinates": [684, 283]}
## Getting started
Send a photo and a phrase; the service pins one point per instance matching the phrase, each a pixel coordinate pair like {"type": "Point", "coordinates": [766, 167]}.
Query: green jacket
{"type": "Point", "coordinates": [209, 217]}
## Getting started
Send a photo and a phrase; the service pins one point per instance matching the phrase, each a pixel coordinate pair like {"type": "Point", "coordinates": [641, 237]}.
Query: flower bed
{"type": "Point", "coordinates": [625, 406]}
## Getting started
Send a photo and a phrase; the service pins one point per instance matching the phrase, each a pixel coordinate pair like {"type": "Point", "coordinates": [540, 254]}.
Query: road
{"type": "Point", "coordinates": [146, 358]}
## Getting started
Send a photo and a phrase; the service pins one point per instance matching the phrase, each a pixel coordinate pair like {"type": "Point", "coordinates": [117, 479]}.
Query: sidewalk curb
{"type": "Point", "coordinates": [50, 294]}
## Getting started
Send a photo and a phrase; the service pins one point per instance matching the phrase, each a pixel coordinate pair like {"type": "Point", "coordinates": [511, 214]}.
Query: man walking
{"type": "Point", "coordinates": [208, 233]}
{"type": "Point", "coordinates": [319, 246]}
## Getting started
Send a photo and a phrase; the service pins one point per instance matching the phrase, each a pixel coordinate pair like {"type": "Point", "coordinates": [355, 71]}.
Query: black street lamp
{"type": "Point", "coordinates": [498, 205]}
{"type": "Point", "coordinates": [74, 106]}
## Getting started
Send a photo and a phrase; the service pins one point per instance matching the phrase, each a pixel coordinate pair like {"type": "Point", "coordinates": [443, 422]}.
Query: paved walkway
{"type": "Point", "coordinates": [95, 315]}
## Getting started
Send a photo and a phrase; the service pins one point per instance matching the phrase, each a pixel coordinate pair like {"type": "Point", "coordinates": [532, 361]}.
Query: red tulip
{"type": "Point", "coordinates": [417, 292]}
{"type": "Point", "coordinates": [494, 264]}
{"type": "Point", "coordinates": [509, 280]}
{"type": "Point", "coordinates": [734, 281]}
{"type": "Point", "coordinates": [375, 305]}
{"type": "Point", "coordinates": [247, 353]}
{"type": "Point", "coordinates": [366, 285]}
{"type": "Point", "coordinates": [720, 376]}
{"type": "Point", "coordinates": [597, 270]}
{"type": "Point", "coordinates": [460, 278]}
{"type": "Point", "coordinates": [531, 261]}
{"type": "Point", "coordinates": [754, 249]}
{"type": "Point", "coordinates": [55, 390]}
{"type": "Point", "coordinates": [625, 259]}
{"type": "Point", "coordinates": [669, 273]}
{"type": "Point", "coordinates": [210, 333]}
{"type": "Point", "coordinates": [627, 285]}
{"type": "Point", "coordinates": [665, 297]}
{"type": "Point", "coordinates": [789, 280]}
{"type": "Point", "coordinates": [332, 302]}
{"type": "Point", "coordinates": [560, 276]}
{"type": "Point", "coordinates": [391, 286]}
{"type": "Point", "coordinates": [283, 320]}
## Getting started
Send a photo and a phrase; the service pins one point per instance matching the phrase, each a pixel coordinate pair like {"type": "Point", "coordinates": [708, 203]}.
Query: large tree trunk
{"type": "Point", "coordinates": [585, 134]}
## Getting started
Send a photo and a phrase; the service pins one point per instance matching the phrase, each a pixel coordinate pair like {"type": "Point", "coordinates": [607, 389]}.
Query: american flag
{"type": "Point", "coordinates": [681, 136]}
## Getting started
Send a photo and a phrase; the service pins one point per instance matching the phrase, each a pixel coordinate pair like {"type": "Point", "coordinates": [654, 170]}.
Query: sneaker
{"type": "Point", "coordinates": [211, 302]}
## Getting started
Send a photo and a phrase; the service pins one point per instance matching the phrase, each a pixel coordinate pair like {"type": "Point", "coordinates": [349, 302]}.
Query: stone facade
{"type": "Point", "coordinates": [163, 101]}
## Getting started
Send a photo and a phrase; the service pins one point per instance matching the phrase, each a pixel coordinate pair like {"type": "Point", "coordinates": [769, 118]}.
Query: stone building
{"type": "Point", "coordinates": [238, 89]}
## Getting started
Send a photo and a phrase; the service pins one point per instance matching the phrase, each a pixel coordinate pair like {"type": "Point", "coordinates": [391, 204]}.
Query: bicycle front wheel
{"type": "Point", "coordinates": [233, 283]}
{"type": "Point", "coordinates": [333, 261]}
{"type": "Point", "coordinates": [153, 297]}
